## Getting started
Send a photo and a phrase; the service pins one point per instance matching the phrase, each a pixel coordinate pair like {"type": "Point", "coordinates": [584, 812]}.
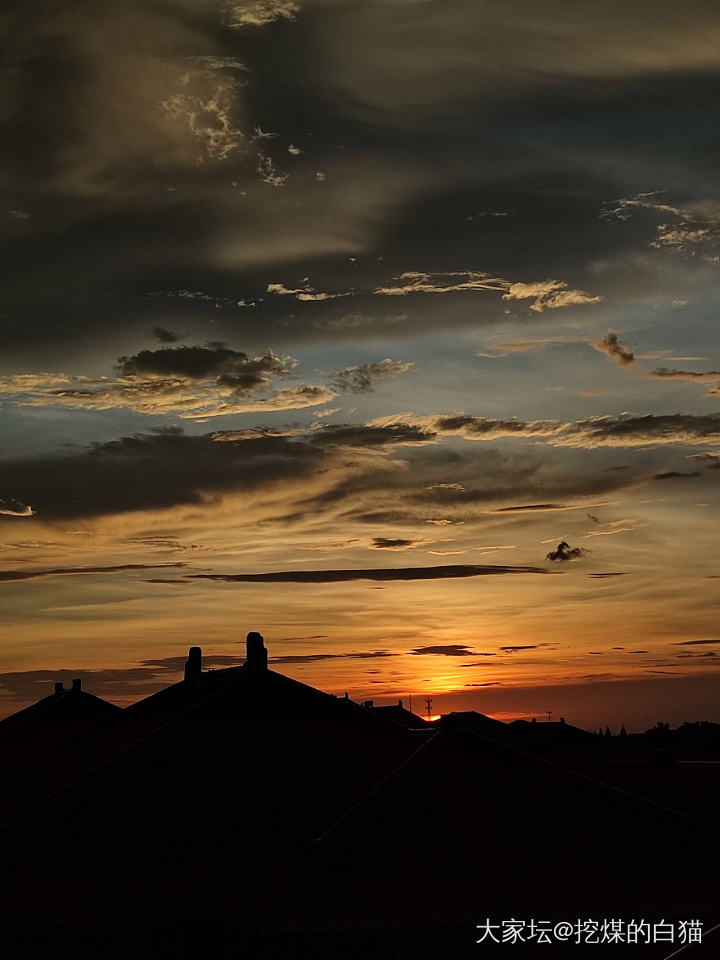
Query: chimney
{"type": "Point", "coordinates": [77, 685]}
{"type": "Point", "coordinates": [399, 703]}
{"type": "Point", "coordinates": [256, 656]}
{"type": "Point", "coordinates": [369, 704]}
{"type": "Point", "coordinates": [534, 719]}
{"type": "Point", "coordinates": [562, 720]}
{"type": "Point", "coordinates": [59, 687]}
{"type": "Point", "coordinates": [193, 665]}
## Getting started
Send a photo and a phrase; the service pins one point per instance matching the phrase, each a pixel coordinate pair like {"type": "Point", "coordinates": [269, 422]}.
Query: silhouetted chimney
{"type": "Point", "coordinates": [256, 657]}
{"type": "Point", "coordinates": [77, 685]}
{"type": "Point", "coordinates": [399, 703]}
{"type": "Point", "coordinates": [59, 687]}
{"type": "Point", "coordinates": [534, 719]}
{"type": "Point", "coordinates": [562, 719]}
{"type": "Point", "coordinates": [369, 704]}
{"type": "Point", "coordinates": [193, 665]}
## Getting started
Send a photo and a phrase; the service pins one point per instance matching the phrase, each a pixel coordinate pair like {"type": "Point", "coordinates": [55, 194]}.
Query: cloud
{"type": "Point", "coordinates": [695, 643]}
{"type": "Point", "coordinates": [162, 469]}
{"type": "Point", "coordinates": [257, 13]}
{"type": "Point", "coordinates": [13, 508]}
{"type": "Point", "coordinates": [13, 576]}
{"type": "Point", "coordinates": [549, 295]}
{"type": "Point", "coordinates": [382, 573]}
{"type": "Point", "coordinates": [675, 475]}
{"type": "Point", "coordinates": [316, 657]}
{"type": "Point", "coordinates": [611, 346]}
{"type": "Point", "coordinates": [446, 650]}
{"type": "Point", "coordinates": [501, 348]}
{"type": "Point", "coordinates": [532, 507]}
{"type": "Point", "coordinates": [694, 232]}
{"type": "Point", "coordinates": [304, 293]}
{"type": "Point", "coordinates": [387, 543]}
{"type": "Point", "coordinates": [591, 433]}
{"type": "Point", "coordinates": [363, 377]}
{"type": "Point", "coordinates": [623, 208]}
{"type": "Point", "coordinates": [191, 381]}
{"type": "Point", "coordinates": [231, 367]}
{"type": "Point", "coordinates": [663, 373]}
{"type": "Point", "coordinates": [166, 336]}
{"type": "Point", "coordinates": [414, 281]}
{"type": "Point", "coordinates": [373, 434]}
{"type": "Point", "coordinates": [515, 649]}
{"type": "Point", "coordinates": [545, 294]}
{"type": "Point", "coordinates": [565, 552]}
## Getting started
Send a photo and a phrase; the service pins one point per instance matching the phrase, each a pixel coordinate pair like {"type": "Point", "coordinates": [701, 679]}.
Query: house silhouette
{"type": "Point", "coordinates": [241, 813]}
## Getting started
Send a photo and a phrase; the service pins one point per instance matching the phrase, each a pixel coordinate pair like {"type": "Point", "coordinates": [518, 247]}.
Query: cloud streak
{"type": "Point", "coordinates": [381, 574]}
{"type": "Point", "coordinates": [15, 576]}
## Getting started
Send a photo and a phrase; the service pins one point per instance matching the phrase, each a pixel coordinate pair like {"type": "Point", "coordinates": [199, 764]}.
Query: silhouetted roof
{"type": "Point", "coordinates": [400, 715]}
{"type": "Point", "coordinates": [51, 719]}
{"type": "Point", "coordinates": [247, 799]}
{"type": "Point", "coordinates": [469, 820]}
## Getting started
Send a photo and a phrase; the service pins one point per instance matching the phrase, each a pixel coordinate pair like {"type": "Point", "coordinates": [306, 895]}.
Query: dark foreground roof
{"type": "Point", "coordinates": [244, 805]}
{"type": "Point", "coordinates": [60, 715]}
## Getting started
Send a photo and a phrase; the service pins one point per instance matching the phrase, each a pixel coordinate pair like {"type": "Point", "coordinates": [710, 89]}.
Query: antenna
{"type": "Point", "coordinates": [428, 705]}
{"type": "Point", "coordinates": [549, 714]}
{"type": "Point", "coordinates": [410, 699]}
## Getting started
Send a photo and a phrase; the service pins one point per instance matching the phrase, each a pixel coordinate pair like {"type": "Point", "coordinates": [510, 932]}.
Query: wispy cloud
{"type": "Point", "coordinates": [363, 377]}
{"type": "Point", "coordinates": [544, 294]}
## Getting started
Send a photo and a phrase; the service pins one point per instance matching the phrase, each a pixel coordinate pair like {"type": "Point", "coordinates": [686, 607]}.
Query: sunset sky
{"type": "Point", "coordinates": [333, 319]}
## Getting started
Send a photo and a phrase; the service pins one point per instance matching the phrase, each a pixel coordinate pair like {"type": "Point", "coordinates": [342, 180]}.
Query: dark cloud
{"type": "Point", "coordinates": [696, 643]}
{"type": "Point", "coordinates": [315, 657]}
{"type": "Point", "coordinates": [446, 650]}
{"type": "Point", "coordinates": [12, 576]}
{"type": "Point", "coordinates": [156, 470]}
{"type": "Point", "coordinates": [371, 435]}
{"type": "Point", "coordinates": [230, 368]}
{"type": "Point", "coordinates": [565, 552]}
{"type": "Point", "coordinates": [711, 654]}
{"type": "Point", "coordinates": [675, 475]}
{"type": "Point", "coordinates": [515, 649]}
{"type": "Point", "coordinates": [383, 573]}
{"type": "Point", "coordinates": [601, 576]}
{"type": "Point", "coordinates": [166, 336]}
{"type": "Point", "coordinates": [611, 346]}
{"type": "Point", "coordinates": [663, 373]}
{"type": "Point", "coordinates": [530, 507]}
{"type": "Point", "coordinates": [14, 508]}
{"type": "Point", "coordinates": [363, 377]}
{"type": "Point", "coordinates": [588, 434]}
{"type": "Point", "coordinates": [386, 543]}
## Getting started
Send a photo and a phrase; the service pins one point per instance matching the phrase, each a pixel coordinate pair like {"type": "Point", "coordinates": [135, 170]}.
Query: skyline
{"type": "Point", "coordinates": [298, 291]}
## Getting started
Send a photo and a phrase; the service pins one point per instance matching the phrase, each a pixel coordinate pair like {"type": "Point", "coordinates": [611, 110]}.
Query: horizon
{"type": "Point", "coordinates": [413, 368]}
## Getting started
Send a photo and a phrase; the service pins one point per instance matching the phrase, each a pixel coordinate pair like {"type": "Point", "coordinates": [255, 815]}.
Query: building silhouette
{"type": "Point", "coordinates": [241, 813]}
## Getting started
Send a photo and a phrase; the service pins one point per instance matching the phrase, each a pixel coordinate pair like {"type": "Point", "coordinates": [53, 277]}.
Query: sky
{"type": "Point", "coordinates": [384, 327]}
